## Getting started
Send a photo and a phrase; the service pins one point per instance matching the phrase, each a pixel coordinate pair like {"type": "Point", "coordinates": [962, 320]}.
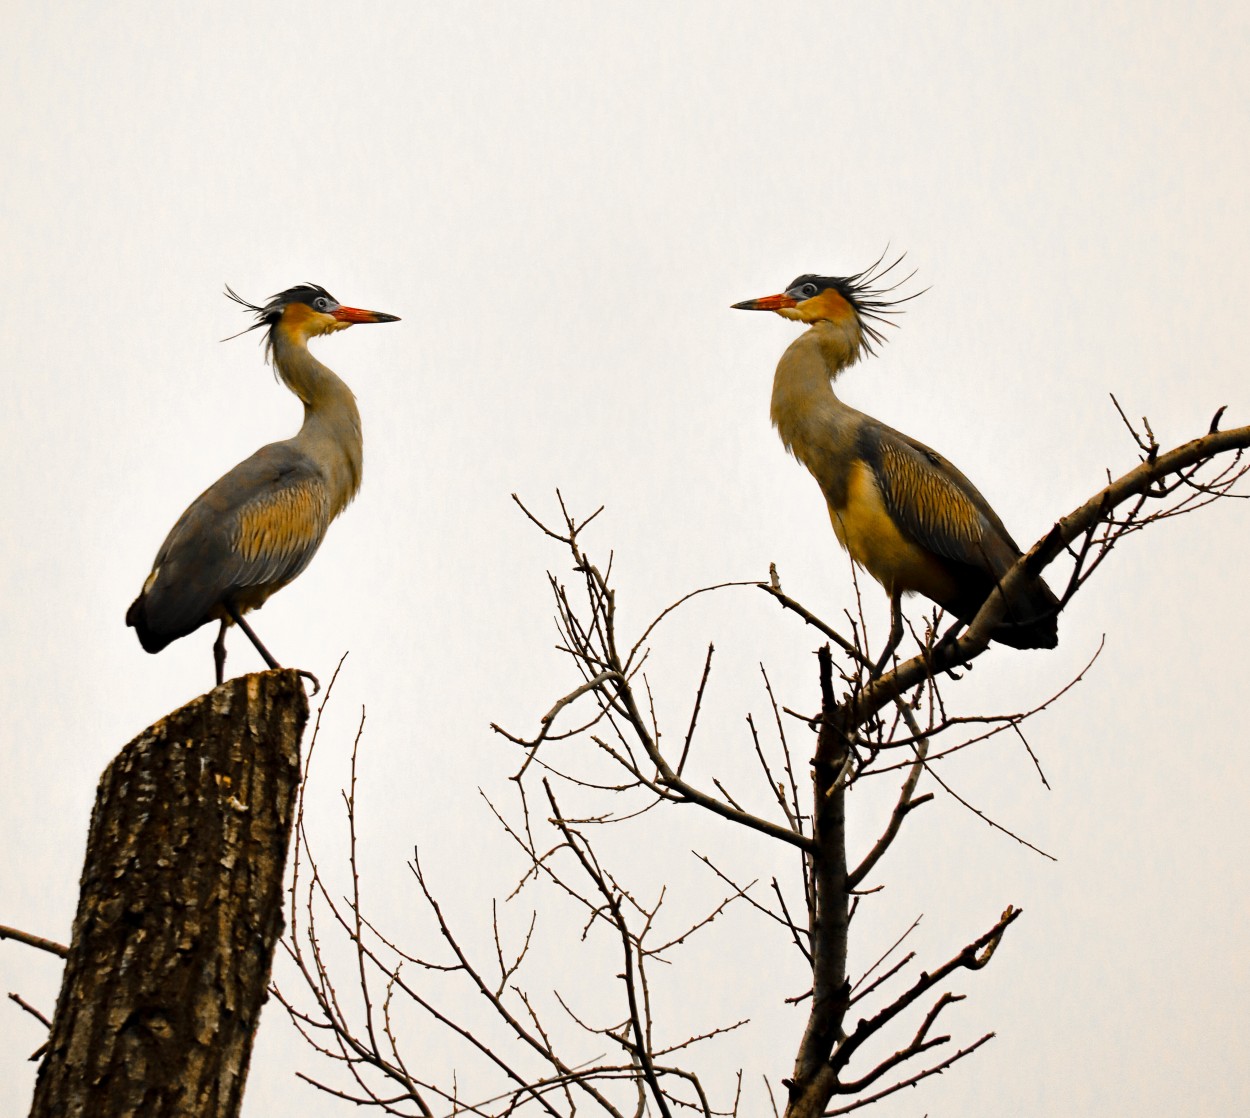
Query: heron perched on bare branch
{"type": "Point", "coordinates": [257, 528]}
{"type": "Point", "coordinates": [900, 509]}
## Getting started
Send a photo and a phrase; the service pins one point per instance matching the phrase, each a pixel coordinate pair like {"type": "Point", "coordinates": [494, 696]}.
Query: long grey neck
{"type": "Point", "coordinates": [803, 403]}
{"type": "Point", "coordinates": [330, 436]}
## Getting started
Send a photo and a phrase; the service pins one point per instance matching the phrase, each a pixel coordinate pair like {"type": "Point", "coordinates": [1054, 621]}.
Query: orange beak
{"type": "Point", "coordinates": [354, 314]}
{"type": "Point", "coordinates": [767, 303]}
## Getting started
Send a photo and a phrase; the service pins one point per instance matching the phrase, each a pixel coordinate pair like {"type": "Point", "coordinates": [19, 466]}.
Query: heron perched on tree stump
{"type": "Point", "coordinates": [901, 510]}
{"type": "Point", "coordinates": [257, 528]}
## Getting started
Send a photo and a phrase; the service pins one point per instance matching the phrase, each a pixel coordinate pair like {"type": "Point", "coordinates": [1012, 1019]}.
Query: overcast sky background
{"type": "Point", "coordinates": [561, 201]}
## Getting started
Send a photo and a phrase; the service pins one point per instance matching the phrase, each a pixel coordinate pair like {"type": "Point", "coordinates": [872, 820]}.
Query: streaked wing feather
{"type": "Point", "coordinates": [937, 505]}
{"type": "Point", "coordinates": [277, 533]}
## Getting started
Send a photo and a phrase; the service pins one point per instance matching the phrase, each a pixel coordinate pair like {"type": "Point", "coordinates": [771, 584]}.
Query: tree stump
{"type": "Point", "coordinates": [179, 911]}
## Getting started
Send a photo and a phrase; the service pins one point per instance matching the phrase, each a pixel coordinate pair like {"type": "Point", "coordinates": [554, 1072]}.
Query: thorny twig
{"type": "Point", "coordinates": [880, 711]}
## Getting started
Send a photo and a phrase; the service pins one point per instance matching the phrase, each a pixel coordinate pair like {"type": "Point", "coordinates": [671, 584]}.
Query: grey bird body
{"type": "Point", "coordinates": [257, 528]}
{"type": "Point", "coordinates": [244, 538]}
{"type": "Point", "coordinates": [901, 510]}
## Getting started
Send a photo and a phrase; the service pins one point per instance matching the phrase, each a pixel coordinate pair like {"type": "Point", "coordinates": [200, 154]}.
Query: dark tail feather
{"type": "Point", "coordinates": [137, 619]}
{"type": "Point", "coordinates": [1037, 610]}
{"type": "Point", "coordinates": [1043, 633]}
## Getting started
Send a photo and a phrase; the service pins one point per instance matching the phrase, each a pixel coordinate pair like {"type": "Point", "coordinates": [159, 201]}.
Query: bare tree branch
{"type": "Point", "coordinates": [534, 1046]}
{"type": "Point", "coordinates": [48, 945]}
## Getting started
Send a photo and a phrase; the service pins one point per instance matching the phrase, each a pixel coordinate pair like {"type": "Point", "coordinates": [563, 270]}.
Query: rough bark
{"type": "Point", "coordinates": [179, 911]}
{"type": "Point", "coordinates": [814, 1079]}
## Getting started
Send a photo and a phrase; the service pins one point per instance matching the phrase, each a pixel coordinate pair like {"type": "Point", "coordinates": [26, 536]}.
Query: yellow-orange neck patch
{"type": "Point", "coordinates": [827, 306]}
{"type": "Point", "coordinates": [299, 322]}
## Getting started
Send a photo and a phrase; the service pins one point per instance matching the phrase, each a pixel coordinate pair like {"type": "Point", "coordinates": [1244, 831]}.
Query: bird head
{"type": "Point", "coordinates": [304, 312]}
{"type": "Point", "coordinates": [857, 301]}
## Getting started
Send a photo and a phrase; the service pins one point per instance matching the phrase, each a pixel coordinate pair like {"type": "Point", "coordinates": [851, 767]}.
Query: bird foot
{"type": "Point", "coordinates": [948, 641]}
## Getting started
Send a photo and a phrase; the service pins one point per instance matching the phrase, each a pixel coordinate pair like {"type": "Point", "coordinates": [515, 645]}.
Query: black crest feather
{"type": "Point", "coordinates": [871, 299]}
{"type": "Point", "coordinates": [271, 312]}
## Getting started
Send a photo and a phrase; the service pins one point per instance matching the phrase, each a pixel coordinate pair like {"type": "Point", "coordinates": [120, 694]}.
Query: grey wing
{"type": "Point", "coordinates": [935, 504]}
{"type": "Point", "coordinates": [247, 535]}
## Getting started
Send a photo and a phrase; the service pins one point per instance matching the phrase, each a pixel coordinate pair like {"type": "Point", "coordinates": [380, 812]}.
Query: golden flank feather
{"type": "Point", "coordinates": [282, 523]}
{"type": "Point", "coordinates": [865, 527]}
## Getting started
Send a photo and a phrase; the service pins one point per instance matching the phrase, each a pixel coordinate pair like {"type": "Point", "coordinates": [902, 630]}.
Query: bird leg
{"type": "Point", "coordinates": [896, 632]}
{"type": "Point", "coordinates": [949, 640]}
{"type": "Point", "coordinates": [237, 617]}
{"type": "Point", "coordinates": [219, 651]}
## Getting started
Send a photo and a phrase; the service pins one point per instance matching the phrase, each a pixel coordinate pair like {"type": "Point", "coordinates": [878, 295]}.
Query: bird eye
{"type": "Point", "coordinates": [321, 303]}
{"type": "Point", "coordinates": [808, 289]}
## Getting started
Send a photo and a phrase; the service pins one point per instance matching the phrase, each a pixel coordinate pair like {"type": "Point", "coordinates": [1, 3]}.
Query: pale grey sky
{"type": "Point", "coordinates": [561, 201]}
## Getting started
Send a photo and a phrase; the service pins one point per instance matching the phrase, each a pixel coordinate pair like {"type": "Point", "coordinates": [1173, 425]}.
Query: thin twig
{"type": "Point", "coordinates": [48, 945]}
